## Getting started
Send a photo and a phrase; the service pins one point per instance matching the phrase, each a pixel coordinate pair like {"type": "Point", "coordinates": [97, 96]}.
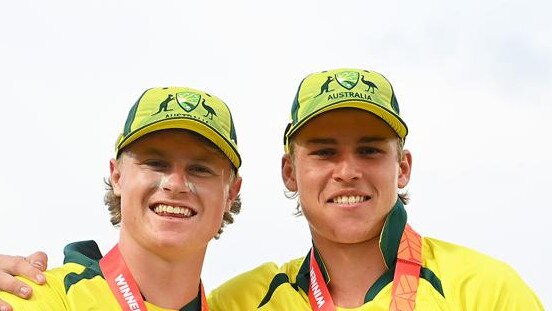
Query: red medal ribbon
{"type": "Point", "coordinates": [319, 295]}
{"type": "Point", "coordinates": [204, 305]}
{"type": "Point", "coordinates": [407, 271]}
{"type": "Point", "coordinates": [405, 281]}
{"type": "Point", "coordinates": [122, 283]}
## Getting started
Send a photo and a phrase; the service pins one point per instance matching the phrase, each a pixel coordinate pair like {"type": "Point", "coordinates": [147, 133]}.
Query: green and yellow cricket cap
{"type": "Point", "coordinates": [182, 108]}
{"type": "Point", "coordinates": [344, 88]}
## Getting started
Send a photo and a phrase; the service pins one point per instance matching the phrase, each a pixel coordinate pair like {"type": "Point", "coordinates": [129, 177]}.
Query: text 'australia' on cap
{"type": "Point", "coordinates": [345, 88]}
{"type": "Point", "coordinates": [182, 108]}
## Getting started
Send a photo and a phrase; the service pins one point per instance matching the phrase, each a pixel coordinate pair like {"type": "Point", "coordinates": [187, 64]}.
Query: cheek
{"type": "Point", "coordinates": [307, 175]}
{"type": "Point", "coordinates": [310, 184]}
{"type": "Point", "coordinates": [213, 195]}
{"type": "Point", "coordinates": [314, 179]}
{"type": "Point", "coordinates": [136, 186]}
{"type": "Point", "coordinates": [387, 181]}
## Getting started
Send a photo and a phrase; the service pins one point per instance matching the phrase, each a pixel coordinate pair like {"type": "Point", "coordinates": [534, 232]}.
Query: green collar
{"type": "Point", "coordinates": [389, 245]}
{"type": "Point", "coordinates": [391, 234]}
{"type": "Point", "coordinates": [87, 254]}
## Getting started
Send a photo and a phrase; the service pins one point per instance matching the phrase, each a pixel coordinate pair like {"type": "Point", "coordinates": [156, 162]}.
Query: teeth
{"type": "Point", "coordinates": [161, 208]}
{"type": "Point", "coordinates": [351, 199]}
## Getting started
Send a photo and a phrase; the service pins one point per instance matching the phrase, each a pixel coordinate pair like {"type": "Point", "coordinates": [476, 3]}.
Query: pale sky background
{"type": "Point", "coordinates": [473, 80]}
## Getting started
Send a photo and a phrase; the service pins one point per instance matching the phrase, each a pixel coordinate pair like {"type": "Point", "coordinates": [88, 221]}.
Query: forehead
{"type": "Point", "coordinates": [346, 123]}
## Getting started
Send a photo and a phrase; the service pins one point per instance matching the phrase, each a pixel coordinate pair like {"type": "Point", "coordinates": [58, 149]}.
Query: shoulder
{"type": "Point", "coordinates": [438, 251]}
{"type": "Point", "coordinates": [50, 296]}
{"type": "Point", "coordinates": [474, 279]}
{"type": "Point", "coordinates": [452, 259]}
{"type": "Point", "coordinates": [243, 287]}
{"type": "Point", "coordinates": [81, 263]}
{"type": "Point", "coordinates": [246, 291]}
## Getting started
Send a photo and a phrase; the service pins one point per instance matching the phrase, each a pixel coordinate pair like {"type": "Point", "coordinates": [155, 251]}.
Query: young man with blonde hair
{"type": "Point", "coordinates": [172, 186]}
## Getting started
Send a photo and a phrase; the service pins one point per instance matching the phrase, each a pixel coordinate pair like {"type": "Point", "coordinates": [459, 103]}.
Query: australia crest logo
{"type": "Point", "coordinates": [347, 79]}
{"type": "Point", "coordinates": [188, 100]}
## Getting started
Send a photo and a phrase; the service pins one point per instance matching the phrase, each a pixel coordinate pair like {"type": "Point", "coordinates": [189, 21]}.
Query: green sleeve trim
{"type": "Point", "coordinates": [428, 275]}
{"type": "Point", "coordinates": [387, 277]}
{"type": "Point", "coordinates": [73, 278]}
{"type": "Point", "coordinates": [279, 279]}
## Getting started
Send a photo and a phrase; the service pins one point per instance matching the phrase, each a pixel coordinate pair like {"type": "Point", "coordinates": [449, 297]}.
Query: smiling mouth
{"type": "Point", "coordinates": [173, 211]}
{"type": "Point", "coordinates": [349, 199]}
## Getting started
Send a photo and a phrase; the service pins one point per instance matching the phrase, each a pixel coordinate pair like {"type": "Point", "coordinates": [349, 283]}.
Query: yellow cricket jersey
{"type": "Point", "coordinates": [451, 278]}
{"type": "Point", "coordinates": [77, 285]}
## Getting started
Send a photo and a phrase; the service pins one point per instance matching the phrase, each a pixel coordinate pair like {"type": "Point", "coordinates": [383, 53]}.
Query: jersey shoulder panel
{"type": "Point", "coordinates": [50, 296]}
{"type": "Point", "coordinates": [474, 280]}
{"type": "Point", "coordinates": [246, 291]}
{"type": "Point", "coordinates": [242, 292]}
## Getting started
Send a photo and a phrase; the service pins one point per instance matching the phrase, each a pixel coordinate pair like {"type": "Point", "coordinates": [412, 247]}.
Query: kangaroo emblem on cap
{"type": "Point", "coordinates": [164, 105]}
{"type": "Point", "coordinates": [325, 88]}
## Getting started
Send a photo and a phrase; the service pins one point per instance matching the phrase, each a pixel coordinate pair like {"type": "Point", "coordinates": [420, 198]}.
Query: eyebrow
{"type": "Point", "coordinates": [332, 141]}
{"type": "Point", "coordinates": [153, 152]}
{"type": "Point", "coordinates": [149, 152]}
{"type": "Point", "coordinates": [213, 153]}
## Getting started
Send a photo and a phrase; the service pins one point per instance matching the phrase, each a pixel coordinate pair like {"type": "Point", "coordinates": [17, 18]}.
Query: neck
{"type": "Point", "coordinates": [353, 269]}
{"type": "Point", "coordinates": [166, 281]}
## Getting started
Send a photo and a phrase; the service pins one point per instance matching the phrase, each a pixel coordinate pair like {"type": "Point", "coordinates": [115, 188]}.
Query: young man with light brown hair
{"type": "Point", "coordinates": [344, 159]}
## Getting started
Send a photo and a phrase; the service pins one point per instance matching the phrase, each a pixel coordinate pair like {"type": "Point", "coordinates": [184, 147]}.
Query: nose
{"type": "Point", "coordinates": [347, 169]}
{"type": "Point", "coordinates": [176, 181]}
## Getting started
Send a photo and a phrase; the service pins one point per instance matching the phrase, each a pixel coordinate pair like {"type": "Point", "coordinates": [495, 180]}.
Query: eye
{"type": "Point", "coordinates": [368, 150]}
{"type": "Point", "coordinates": [156, 164]}
{"type": "Point", "coordinates": [200, 170]}
{"type": "Point", "coordinates": [324, 153]}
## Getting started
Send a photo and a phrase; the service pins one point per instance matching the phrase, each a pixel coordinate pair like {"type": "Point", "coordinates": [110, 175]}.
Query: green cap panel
{"type": "Point", "coordinates": [345, 88]}
{"type": "Point", "coordinates": [182, 108]}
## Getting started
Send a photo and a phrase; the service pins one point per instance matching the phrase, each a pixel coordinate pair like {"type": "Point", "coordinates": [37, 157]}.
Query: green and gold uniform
{"type": "Point", "coordinates": [78, 285]}
{"type": "Point", "coordinates": [451, 278]}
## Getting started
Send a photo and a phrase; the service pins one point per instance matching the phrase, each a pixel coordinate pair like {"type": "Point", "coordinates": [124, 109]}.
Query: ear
{"type": "Point", "coordinates": [288, 173]}
{"type": "Point", "coordinates": [405, 168]}
{"type": "Point", "coordinates": [233, 192]}
{"type": "Point", "coordinates": [115, 176]}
